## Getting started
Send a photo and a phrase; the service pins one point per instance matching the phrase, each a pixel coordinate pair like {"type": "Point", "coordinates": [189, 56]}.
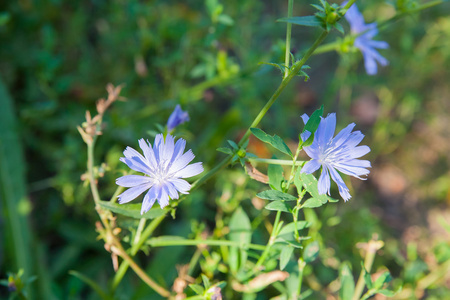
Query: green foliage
{"type": "Point", "coordinates": [132, 210]}
{"type": "Point", "coordinates": [275, 141]}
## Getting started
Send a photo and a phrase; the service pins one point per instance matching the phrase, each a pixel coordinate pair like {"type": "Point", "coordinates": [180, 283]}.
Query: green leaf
{"type": "Point", "coordinates": [311, 252]}
{"type": "Point", "coordinates": [347, 282]}
{"type": "Point", "coordinates": [384, 278]}
{"type": "Point", "coordinates": [312, 125]}
{"type": "Point", "coordinates": [225, 150]}
{"type": "Point", "coordinates": [132, 210]}
{"type": "Point", "coordinates": [278, 206]}
{"type": "Point", "coordinates": [387, 293]}
{"type": "Point", "coordinates": [312, 203]}
{"type": "Point", "coordinates": [302, 21]}
{"type": "Point", "coordinates": [367, 277]}
{"type": "Point", "coordinates": [198, 289]}
{"type": "Point", "coordinates": [288, 228]}
{"type": "Point", "coordinates": [233, 144]}
{"type": "Point", "coordinates": [339, 28]}
{"type": "Point", "coordinates": [275, 195]}
{"type": "Point", "coordinates": [240, 231]}
{"type": "Point", "coordinates": [285, 256]}
{"type": "Point", "coordinates": [275, 141]}
{"type": "Point", "coordinates": [206, 282]}
{"type": "Point", "coordinates": [276, 178]}
{"type": "Point", "coordinates": [91, 283]}
{"type": "Point", "coordinates": [309, 182]}
{"type": "Point", "coordinates": [240, 227]}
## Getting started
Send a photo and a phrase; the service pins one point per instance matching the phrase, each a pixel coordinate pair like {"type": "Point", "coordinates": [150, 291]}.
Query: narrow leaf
{"type": "Point", "coordinates": [132, 210]}
{"type": "Point", "coordinates": [285, 256]}
{"type": "Point", "coordinates": [275, 173]}
{"type": "Point", "coordinates": [347, 282]}
{"type": "Point", "coordinates": [275, 141]}
{"type": "Point", "coordinates": [302, 21]}
{"type": "Point", "coordinates": [310, 184]}
{"type": "Point", "coordinates": [90, 283]}
{"type": "Point", "coordinates": [275, 195]}
{"type": "Point", "coordinates": [198, 289]}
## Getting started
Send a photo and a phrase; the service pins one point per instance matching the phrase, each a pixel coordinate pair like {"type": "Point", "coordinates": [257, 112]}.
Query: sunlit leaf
{"type": "Point", "coordinates": [275, 141]}
{"type": "Point", "coordinates": [275, 195]}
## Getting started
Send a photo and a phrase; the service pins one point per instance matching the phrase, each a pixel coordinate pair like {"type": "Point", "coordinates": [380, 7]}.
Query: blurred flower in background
{"type": "Point", "coordinates": [176, 118]}
{"type": "Point", "coordinates": [363, 41]}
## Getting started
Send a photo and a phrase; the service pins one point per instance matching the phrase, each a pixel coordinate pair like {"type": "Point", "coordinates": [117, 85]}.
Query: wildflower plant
{"type": "Point", "coordinates": [231, 260]}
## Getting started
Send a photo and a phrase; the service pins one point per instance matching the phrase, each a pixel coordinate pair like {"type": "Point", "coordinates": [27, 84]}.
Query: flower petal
{"type": "Point", "coordinates": [324, 181]}
{"type": "Point", "coordinates": [359, 151]}
{"type": "Point", "coordinates": [343, 190]}
{"type": "Point", "coordinates": [133, 192]}
{"type": "Point", "coordinates": [163, 198]}
{"type": "Point", "coordinates": [133, 180]}
{"type": "Point", "coordinates": [190, 171]}
{"type": "Point", "coordinates": [149, 200]}
{"type": "Point", "coordinates": [311, 166]}
{"type": "Point", "coordinates": [135, 163]}
{"type": "Point", "coordinates": [181, 162]}
{"type": "Point", "coordinates": [148, 153]}
{"type": "Point", "coordinates": [181, 185]}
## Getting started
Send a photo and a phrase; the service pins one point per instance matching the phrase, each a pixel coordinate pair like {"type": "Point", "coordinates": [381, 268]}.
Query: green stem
{"type": "Point", "coordinates": [328, 47]}
{"type": "Point", "coordinates": [301, 267]}
{"type": "Point", "coordinates": [287, 57]}
{"type": "Point", "coordinates": [271, 161]}
{"type": "Point", "coordinates": [368, 262]}
{"type": "Point", "coordinates": [135, 248]}
{"type": "Point", "coordinates": [262, 258]}
{"type": "Point", "coordinates": [157, 242]}
{"type": "Point", "coordinates": [292, 73]}
{"type": "Point", "coordinates": [90, 167]}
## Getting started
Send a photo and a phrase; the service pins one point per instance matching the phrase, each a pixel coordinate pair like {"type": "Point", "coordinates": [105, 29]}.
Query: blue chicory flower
{"type": "Point", "coordinates": [364, 41]}
{"type": "Point", "coordinates": [338, 153]}
{"type": "Point", "coordinates": [163, 165]}
{"type": "Point", "coordinates": [176, 118]}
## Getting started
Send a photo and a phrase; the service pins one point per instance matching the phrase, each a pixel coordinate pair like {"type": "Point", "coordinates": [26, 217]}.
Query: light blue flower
{"type": "Point", "coordinates": [338, 153]}
{"type": "Point", "coordinates": [364, 41]}
{"type": "Point", "coordinates": [176, 118]}
{"type": "Point", "coordinates": [163, 165]}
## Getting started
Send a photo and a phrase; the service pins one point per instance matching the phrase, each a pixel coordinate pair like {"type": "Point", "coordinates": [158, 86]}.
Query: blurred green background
{"type": "Point", "coordinates": [56, 58]}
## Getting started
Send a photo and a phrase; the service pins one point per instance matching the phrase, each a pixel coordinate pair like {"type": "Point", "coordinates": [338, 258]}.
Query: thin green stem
{"type": "Point", "coordinates": [287, 57]}
{"type": "Point", "coordinates": [90, 167]}
{"type": "Point", "coordinates": [262, 258]}
{"type": "Point", "coordinates": [301, 267]}
{"type": "Point", "coordinates": [270, 161]}
{"type": "Point", "coordinates": [135, 248]}
{"type": "Point", "coordinates": [293, 72]}
{"type": "Point", "coordinates": [213, 171]}
{"type": "Point", "coordinates": [157, 242]}
{"type": "Point", "coordinates": [328, 47]}
{"type": "Point", "coordinates": [368, 262]}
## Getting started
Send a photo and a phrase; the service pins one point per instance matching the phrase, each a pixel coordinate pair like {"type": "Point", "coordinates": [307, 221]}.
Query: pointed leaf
{"type": "Point", "coordinates": [312, 125]}
{"type": "Point", "coordinates": [312, 21]}
{"type": "Point", "coordinates": [288, 228]}
{"type": "Point", "coordinates": [276, 178]}
{"type": "Point", "coordinates": [347, 282]}
{"type": "Point", "coordinates": [198, 289]}
{"type": "Point", "coordinates": [309, 182]}
{"type": "Point", "coordinates": [278, 206]}
{"type": "Point", "coordinates": [90, 283]}
{"type": "Point", "coordinates": [285, 256]}
{"type": "Point", "coordinates": [312, 203]}
{"type": "Point", "coordinates": [275, 195]}
{"type": "Point", "coordinates": [275, 141]}
{"type": "Point", "coordinates": [225, 150]}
